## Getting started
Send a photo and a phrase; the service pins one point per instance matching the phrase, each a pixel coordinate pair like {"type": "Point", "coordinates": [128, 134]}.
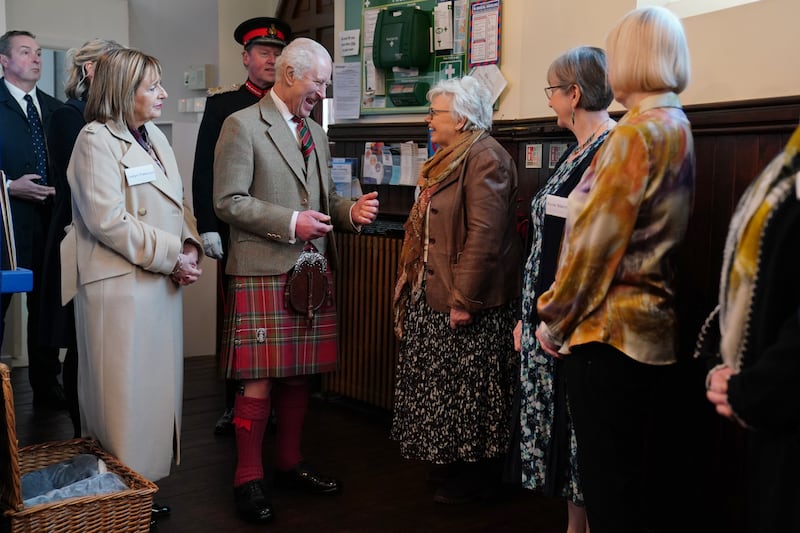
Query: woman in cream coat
{"type": "Point", "coordinates": [132, 245]}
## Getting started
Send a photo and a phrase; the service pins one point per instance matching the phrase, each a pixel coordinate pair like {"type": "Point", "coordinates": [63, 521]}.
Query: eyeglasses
{"type": "Point", "coordinates": [433, 112]}
{"type": "Point", "coordinates": [548, 91]}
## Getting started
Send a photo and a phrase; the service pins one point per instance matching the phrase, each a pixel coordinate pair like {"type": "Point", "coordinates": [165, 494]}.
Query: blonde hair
{"type": "Point", "coordinates": [116, 77]}
{"type": "Point", "coordinates": [647, 52]}
{"type": "Point", "coordinates": [77, 84]}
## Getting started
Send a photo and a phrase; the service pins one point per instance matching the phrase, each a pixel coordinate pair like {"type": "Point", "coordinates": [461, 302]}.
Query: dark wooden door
{"type": "Point", "coordinates": [312, 19]}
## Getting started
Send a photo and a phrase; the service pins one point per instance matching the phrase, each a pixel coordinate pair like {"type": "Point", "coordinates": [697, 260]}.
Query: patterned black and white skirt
{"type": "Point", "coordinates": [454, 388]}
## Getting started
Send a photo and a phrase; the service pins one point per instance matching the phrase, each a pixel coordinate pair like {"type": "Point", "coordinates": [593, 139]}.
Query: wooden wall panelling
{"type": "Point", "coordinates": [733, 143]}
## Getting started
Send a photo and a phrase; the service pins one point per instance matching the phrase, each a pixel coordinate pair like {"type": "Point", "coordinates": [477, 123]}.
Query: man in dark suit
{"type": "Point", "coordinates": [273, 186]}
{"type": "Point", "coordinates": [24, 113]}
{"type": "Point", "coordinates": [263, 39]}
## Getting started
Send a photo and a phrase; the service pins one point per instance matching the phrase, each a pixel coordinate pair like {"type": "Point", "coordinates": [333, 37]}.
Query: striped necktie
{"type": "Point", "coordinates": [306, 142]}
{"type": "Point", "coordinates": [37, 136]}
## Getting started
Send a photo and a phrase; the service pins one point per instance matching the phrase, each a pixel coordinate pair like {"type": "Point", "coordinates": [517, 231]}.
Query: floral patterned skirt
{"type": "Point", "coordinates": [454, 388]}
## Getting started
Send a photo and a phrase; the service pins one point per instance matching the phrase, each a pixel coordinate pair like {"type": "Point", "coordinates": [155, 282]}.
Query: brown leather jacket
{"type": "Point", "coordinates": [474, 252]}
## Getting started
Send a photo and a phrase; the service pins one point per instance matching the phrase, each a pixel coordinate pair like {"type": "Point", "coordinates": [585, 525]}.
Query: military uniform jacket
{"type": "Point", "coordinates": [218, 108]}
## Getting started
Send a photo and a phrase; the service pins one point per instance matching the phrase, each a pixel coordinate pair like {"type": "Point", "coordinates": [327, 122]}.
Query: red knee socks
{"type": "Point", "coordinates": [291, 404]}
{"type": "Point", "coordinates": [250, 422]}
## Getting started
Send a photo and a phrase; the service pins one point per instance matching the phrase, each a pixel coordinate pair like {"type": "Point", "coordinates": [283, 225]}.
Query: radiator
{"type": "Point", "coordinates": [365, 280]}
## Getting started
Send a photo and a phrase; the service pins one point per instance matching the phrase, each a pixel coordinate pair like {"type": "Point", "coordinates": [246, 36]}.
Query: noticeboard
{"type": "Point", "coordinates": [381, 89]}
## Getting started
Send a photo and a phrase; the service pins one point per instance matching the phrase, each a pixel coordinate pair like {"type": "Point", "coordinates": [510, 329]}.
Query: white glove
{"type": "Point", "coordinates": [212, 244]}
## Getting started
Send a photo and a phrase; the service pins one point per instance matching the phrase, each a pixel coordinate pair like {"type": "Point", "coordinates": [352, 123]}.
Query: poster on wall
{"type": "Point", "coordinates": [484, 33]}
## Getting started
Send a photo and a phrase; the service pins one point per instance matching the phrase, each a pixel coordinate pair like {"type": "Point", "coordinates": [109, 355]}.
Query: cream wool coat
{"type": "Point", "coordinates": [116, 260]}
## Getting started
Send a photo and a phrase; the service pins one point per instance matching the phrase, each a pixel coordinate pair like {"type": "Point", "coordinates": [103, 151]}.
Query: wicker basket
{"type": "Point", "coordinates": [124, 511]}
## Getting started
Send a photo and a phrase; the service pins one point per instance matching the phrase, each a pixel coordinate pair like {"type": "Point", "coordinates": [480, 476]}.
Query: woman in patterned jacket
{"type": "Point", "coordinates": [610, 311]}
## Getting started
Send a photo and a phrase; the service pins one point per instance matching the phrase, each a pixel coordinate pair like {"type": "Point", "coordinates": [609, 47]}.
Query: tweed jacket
{"type": "Point", "coordinates": [474, 252]}
{"type": "Point", "coordinates": [259, 182]}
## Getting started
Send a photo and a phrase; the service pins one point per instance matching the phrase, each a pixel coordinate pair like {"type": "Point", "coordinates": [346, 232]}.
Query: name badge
{"type": "Point", "coordinates": [139, 175]}
{"type": "Point", "coordinates": [555, 206]}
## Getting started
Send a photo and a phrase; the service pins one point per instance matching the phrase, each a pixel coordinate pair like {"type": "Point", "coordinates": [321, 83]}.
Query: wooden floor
{"type": "Point", "coordinates": [382, 491]}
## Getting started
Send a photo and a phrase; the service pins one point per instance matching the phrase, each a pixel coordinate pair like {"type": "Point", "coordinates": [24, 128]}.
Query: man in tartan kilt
{"type": "Point", "coordinates": [263, 39]}
{"type": "Point", "coordinates": [273, 187]}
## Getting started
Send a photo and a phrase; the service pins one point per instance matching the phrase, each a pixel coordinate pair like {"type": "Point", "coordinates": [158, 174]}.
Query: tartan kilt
{"type": "Point", "coordinates": [263, 338]}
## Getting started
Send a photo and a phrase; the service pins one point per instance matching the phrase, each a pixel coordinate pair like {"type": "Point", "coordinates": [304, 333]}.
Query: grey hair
{"type": "Point", "coordinates": [585, 66]}
{"type": "Point", "coordinates": [471, 101]}
{"type": "Point", "coordinates": [301, 55]}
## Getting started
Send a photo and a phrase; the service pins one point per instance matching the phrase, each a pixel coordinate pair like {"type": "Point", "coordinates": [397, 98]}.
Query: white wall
{"type": "Point", "coordinates": [180, 33]}
{"type": "Point", "coordinates": [57, 25]}
{"type": "Point", "coordinates": [740, 53]}
{"type": "Point", "coordinates": [60, 24]}
{"type": "Point", "coordinates": [183, 33]}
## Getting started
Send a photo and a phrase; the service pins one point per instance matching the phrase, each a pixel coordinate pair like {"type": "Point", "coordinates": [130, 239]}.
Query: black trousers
{"type": "Point", "coordinates": [613, 400]}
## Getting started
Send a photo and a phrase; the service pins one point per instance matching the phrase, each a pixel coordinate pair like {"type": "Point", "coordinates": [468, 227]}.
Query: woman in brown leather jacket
{"type": "Point", "coordinates": [455, 298]}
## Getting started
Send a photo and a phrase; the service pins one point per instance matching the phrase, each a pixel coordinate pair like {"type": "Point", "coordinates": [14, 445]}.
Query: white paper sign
{"type": "Point", "coordinates": [443, 26]}
{"type": "Point", "coordinates": [346, 97]}
{"type": "Point", "coordinates": [348, 42]}
{"type": "Point", "coordinates": [490, 76]}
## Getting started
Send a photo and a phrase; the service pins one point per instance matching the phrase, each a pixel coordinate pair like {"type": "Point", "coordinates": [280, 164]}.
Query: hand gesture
{"type": "Point", "coordinates": [312, 225]}
{"type": "Point", "coordinates": [26, 187]}
{"type": "Point", "coordinates": [186, 270]}
{"type": "Point", "coordinates": [717, 393]}
{"type": "Point", "coordinates": [365, 210]}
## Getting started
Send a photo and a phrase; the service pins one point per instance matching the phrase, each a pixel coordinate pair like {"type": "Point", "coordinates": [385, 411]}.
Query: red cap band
{"type": "Point", "coordinates": [263, 32]}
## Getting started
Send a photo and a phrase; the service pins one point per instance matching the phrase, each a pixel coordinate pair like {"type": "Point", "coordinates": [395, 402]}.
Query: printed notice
{"type": "Point", "coordinates": [484, 35]}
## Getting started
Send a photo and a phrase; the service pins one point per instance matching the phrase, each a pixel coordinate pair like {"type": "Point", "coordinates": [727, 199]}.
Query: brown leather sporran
{"type": "Point", "coordinates": [307, 287]}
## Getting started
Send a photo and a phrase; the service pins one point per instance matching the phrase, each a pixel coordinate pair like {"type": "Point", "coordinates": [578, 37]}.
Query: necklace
{"type": "Point", "coordinates": [579, 150]}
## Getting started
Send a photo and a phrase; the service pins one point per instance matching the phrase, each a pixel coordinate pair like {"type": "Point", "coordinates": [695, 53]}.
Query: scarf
{"type": "Point", "coordinates": [742, 253]}
{"type": "Point", "coordinates": [410, 271]}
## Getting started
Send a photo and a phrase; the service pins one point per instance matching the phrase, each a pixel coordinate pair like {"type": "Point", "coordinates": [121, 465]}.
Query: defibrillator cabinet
{"type": "Point", "coordinates": [402, 38]}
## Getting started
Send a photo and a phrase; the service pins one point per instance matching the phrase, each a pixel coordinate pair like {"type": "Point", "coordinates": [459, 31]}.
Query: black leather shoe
{"type": "Point", "coordinates": [224, 425]}
{"type": "Point", "coordinates": [305, 478]}
{"type": "Point", "coordinates": [51, 397]}
{"type": "Point", "coordinates": [251, 502]}
{"type": "Point", "coordinates": [160, 511]}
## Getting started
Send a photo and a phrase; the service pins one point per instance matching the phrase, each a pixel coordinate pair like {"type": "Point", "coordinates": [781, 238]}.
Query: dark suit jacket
{"type": "Point", "coordinates": [16, 159]}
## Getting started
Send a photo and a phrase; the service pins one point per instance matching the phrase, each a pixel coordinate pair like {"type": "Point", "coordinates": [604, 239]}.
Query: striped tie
{"type": "Point", "coordinates": [306, 142]}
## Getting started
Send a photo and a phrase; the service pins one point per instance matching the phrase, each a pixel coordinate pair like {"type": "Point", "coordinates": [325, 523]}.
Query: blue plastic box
{"type": "Point", "coordinates": [19, 280]}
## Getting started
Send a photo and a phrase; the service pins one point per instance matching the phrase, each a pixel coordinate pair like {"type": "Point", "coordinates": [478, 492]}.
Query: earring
{"type": "Point", "coordinates": [573, 116]}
